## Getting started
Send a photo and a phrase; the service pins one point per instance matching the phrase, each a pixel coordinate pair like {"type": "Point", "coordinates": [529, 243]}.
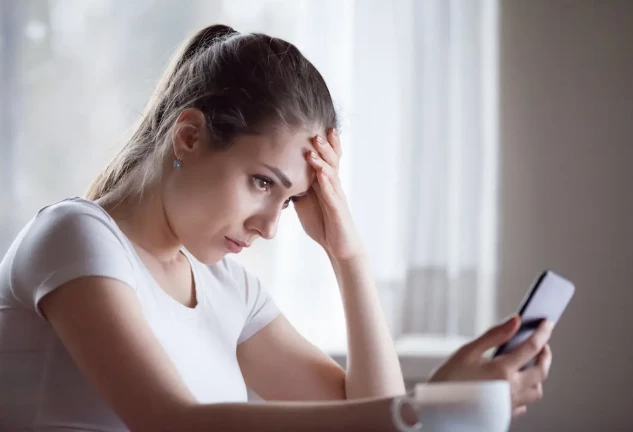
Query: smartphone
{"type": "Point", "coordinates": [547, 299]}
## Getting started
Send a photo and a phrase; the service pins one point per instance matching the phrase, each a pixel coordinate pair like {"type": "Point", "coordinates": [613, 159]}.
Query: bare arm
{"type": "Point", "coordinates": [280, 364]}
{"type": "Point", "coordinates": [373, 368]}
{"type": "Point", "coordinates": [100, 322]}
{"type": "Point", "coordinates": [361, 415]}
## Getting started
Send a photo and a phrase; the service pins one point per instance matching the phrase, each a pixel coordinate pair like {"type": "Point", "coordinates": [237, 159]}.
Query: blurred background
{"type": "Point", "coordinates": [484, 141]}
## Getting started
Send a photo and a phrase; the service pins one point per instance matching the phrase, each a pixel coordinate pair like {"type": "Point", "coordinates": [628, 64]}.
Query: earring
{"type": "Point", "coordinates": [177, 163]}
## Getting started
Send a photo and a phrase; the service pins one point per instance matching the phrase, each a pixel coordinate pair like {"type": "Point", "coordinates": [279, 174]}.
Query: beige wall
{"type": "Point", "coordinates": [567, 196]}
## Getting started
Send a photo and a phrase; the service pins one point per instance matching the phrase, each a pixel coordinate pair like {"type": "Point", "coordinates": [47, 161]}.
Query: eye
{"type": "Point", "coordinates": [287, 203]}
{"type": "Point", "coordinates": [262, 183]}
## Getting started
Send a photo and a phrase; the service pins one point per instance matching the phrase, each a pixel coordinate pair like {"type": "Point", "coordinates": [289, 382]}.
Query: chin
{"type": "Point", "coordinates": [213, 258]}
{"type": "Point", "coordinates": [207, 256]}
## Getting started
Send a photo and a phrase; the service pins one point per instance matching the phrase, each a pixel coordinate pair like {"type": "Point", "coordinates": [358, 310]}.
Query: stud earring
{"type": "Point", "coordinates": [177, 163]}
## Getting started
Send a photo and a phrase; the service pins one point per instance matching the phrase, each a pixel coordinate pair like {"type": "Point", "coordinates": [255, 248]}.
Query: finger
{"type": "Point", "coordinates": [326, 151]}
{"type": "Point", "coordinates": [517, 412]}
{"type": "Point", "coordinates": [529, 348]}
{"type": "Point", "coordinates": [544, 361]}
{"type": "Point", "coordinates": [335, 141]}
{"type": "Point", "coordinates": [539, 372]}
{"type": "Point", "coordinates": [318, 163]}
{"type": "Point", "coordinates": [529, 395]}
{"type": "Point", "coordinates": [496, 336]}
{"type": "Point", "coordinates": [325, 190]}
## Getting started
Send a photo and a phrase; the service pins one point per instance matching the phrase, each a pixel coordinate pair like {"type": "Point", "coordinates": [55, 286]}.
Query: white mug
{"type": "Point", "coordinates": [474, 406]}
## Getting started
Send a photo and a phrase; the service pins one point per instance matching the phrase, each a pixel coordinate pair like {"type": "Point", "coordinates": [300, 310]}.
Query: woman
{"type": "Point", "coordinates": [121, 310]}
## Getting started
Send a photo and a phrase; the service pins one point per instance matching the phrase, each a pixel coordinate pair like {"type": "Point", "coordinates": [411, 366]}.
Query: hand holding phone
{"type": "Point", "coordinates": [547, 299]}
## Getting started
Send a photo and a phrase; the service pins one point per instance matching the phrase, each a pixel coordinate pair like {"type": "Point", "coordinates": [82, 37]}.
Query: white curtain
{"type": "Point", "coordinates": [414, 82]}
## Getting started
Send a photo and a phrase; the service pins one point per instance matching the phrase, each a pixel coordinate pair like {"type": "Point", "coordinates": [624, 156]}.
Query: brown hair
{"type": "Point", "coordinates": [243, 83]}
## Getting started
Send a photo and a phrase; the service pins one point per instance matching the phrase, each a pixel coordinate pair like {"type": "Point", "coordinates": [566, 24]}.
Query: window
{"type": "Point", "coordinates": [415, 83]}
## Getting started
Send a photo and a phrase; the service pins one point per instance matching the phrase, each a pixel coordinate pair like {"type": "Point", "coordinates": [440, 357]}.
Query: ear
{"type": "Point", "coordinates": [190, 133]}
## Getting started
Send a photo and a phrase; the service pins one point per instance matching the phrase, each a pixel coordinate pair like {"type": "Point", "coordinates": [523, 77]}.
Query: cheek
{"type": "Point", "coordinates": [187, 214]}
{"type": "Point", "coordinates": [190, 205]}
{"type": "Point", "coordinates": [241, 199]}
{"type": "Point", "coordinates": [204, 206]}
{"type": "Point", "coordinates": [201, 207]}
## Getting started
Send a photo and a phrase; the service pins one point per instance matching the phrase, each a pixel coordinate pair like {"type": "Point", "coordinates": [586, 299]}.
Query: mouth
{"type": "Point", "coordinates": [234, 246]}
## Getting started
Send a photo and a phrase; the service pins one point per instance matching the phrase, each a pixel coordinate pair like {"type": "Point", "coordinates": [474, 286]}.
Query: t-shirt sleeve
{"type": "Point", "coordinates": [260, 307]}
{"type": "Point", "coordinates": [64, 242]}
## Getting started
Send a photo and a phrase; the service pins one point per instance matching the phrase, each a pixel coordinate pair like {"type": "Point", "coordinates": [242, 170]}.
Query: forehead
{"type": "Point", "coordinates": [284, 150]}
{"type": "Point", "coordinates": [284, 147]}
{"type": "Point", "coordinates": [281, 144]}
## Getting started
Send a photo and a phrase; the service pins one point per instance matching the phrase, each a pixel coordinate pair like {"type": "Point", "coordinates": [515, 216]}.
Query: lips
{"type": "Point", "coordinates": [231, 246]}
{"type": "Point", "coordinates": [239, 242]}
{"type": "Point", "coordinates": [234, 246]}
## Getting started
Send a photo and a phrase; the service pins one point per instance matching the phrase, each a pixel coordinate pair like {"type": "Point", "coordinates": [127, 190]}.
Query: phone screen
{"type": "Point", "coordinates": [548, 298]}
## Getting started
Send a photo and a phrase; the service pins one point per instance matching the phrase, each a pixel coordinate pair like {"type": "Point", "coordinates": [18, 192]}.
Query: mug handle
{"type": "Point", "coordinates": [396, 408]}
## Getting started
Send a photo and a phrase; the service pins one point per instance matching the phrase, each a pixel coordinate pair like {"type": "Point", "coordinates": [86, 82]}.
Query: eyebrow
{"type": "Point", "coordinates": [283, 178]}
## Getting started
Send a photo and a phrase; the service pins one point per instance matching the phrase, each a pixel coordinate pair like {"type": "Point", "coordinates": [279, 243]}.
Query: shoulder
{"type": "Point", "coordinates": [71, 210]}
{"type": "Point", "coordinates": [72, 226]}
{"type": "Point", "coordinates": [75, 216]}
{"type": "Point", "coordinates": [67, 240]}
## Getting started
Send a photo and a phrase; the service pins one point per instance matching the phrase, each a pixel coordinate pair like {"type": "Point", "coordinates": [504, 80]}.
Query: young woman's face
{"type": "Point", "coordinates": [236, 194]}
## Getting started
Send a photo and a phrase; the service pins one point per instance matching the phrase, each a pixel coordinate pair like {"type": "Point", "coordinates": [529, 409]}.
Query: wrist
{"type": "Point", "coordinates": [352, 270]}
{"type": "Point", "coordinates": [358, 257]}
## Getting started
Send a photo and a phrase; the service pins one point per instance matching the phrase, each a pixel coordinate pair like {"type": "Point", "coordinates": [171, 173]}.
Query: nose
{"type": "Point", "coordinates": [265, 223]}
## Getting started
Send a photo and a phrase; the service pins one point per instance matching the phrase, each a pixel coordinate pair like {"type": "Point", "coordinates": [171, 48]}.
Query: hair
{"type": "Point", "coordinates": [242, 83]}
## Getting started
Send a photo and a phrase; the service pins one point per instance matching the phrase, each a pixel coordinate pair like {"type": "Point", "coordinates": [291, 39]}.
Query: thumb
{"type": "Point", "coordinates": [495, 336]}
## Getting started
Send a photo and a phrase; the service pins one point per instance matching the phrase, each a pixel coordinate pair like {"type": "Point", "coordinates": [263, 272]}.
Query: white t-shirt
{"type": "Point", "coordinates": [40, 386]}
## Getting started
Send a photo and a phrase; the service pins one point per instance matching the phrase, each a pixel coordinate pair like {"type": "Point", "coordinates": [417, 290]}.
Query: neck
{"type": "Point", "coordinates": [143, 220]}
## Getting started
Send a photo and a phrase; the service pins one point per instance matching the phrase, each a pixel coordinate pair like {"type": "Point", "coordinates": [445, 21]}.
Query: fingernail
{"type": "Point", "coordinates": [319, 140]}
{"type": "Point", "coordinates": [335, 132]}
{"type": "Point", "coordinates": [313, 155]}
{"type": "Point", "coordinates": [549, 324]}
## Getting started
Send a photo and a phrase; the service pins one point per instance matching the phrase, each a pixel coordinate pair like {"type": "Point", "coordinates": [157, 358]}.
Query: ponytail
{"type": "Point", "coordinates": [143, 142]}
{"type": "Point", "coordinates": [242, 83]}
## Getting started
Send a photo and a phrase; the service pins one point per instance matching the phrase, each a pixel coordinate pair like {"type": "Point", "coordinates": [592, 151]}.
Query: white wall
{"type": "Point", "coordinates": [567, 197]}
